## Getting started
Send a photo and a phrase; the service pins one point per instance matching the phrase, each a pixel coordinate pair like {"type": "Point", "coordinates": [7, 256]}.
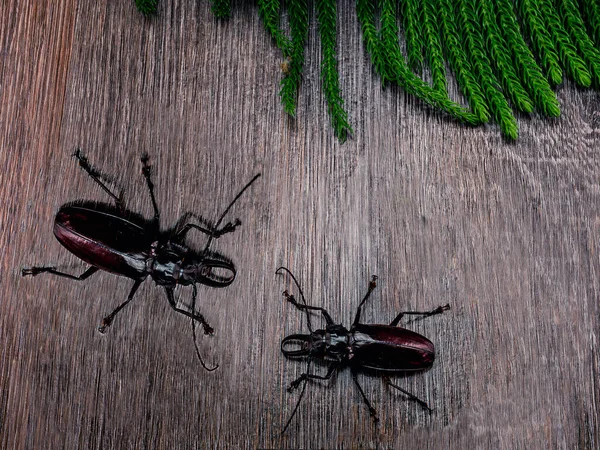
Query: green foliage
{"type": "Point", "coordinates": [574, 23]}
{"type": "Point", "coordinates": [221, 8]}
{"type": "Point", "coordinates": [435, 55]}
{"type": "Point", "coordinates": [529, 72]}
{"type": "Point", "coordinates": [460, 62]}
{"type": "Point", "coordinates": [146, 7]}
{"type": "Point", "coordinates": [298, 11]}
{"type": "Point", "coordinates": [504, 54]}
{"type": "Point", "coordinates": [327, 16]}
{"type": "Point", "coordinates": [412, 18]}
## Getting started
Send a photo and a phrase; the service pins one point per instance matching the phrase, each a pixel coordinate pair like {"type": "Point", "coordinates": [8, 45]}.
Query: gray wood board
{"type": "Point", "coordinates": [507, 233]}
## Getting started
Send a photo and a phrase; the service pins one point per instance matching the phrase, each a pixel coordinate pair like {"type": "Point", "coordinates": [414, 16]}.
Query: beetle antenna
{"type": "Point", "coordinates": [299, 400]}
{"type": "Point", "coordinates": [209, 369]}
{"type": "Point", "coordinates": [216, 227]}
{"type": "Point", "coordinates": [301, 295]}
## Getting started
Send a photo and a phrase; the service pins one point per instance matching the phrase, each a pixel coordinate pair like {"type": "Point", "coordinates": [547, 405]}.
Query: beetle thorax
{"type": "Point", "coordinates": [333, 342]}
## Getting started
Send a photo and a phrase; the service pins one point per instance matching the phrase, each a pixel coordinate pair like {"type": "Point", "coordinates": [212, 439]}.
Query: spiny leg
{"type": "Point", "coordinates": [193, 315]}
{"type": "Point", "coordinates": [194, 334]}
{"type": "Point", "coordinates": [33, 271]}
{"type": "Point", "coordinates": [146, 173]}
{"type": "Point", "coordinates": [372, 410]}
{"type": "Point", "coordinates": [408, 394]}
{"type": "Point", "coordinates": [438, 310]}
{"type": "Point", "coordinates": [309, 376]}
{"type": "Point", "coordinates": [204, 227]}
{"type": "Point", "coordinates": [293, 301]}
{"type": "Point", "coordinates": [372, 286]}
{"type": "Point", "coordinates": [98, 176]}
{"type": "Point", "coordinates": [107, 321]}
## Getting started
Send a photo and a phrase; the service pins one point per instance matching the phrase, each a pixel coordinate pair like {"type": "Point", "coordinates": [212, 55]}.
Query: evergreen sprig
{"type": "Point", "coordinates": [298, 12]}
{"type": "Point", "coordinates": [327, 16]}
{"type": "Point", "coordinates": [221, 8]}
{"type": "Point", "coordinates": [498, 51]}
{"type": "Point", "coordinates": [460, 62]}
{"type": "Point", "coordinates": [435, 55]}
{"type": "Point", "coordinates": [476, 50]}
{"type": "Point", "coordinates": [573, 64]}
{"type": "Point", "coordinates": [501, 56]}
{"type": "Point", "coordinates": [147, 7]}
{"type": "Point", "coordinates": [530, 73]}
{"type": "Point", "coordinates": [591, 9]}
{"type": "Point", "coordinates": [574, 23]}
{"type": "Point", "coordinates": [541, 39]}
{"type": "Point", "coordinates": [399, 72]}
{"type": "Point", "coordinates": [413, 32]}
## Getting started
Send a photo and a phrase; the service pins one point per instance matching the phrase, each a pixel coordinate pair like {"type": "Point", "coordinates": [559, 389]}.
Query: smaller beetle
{"type": "Point", "coordinates": [111, 238]}
{"type": "Point", "coordinates": [385, 349]}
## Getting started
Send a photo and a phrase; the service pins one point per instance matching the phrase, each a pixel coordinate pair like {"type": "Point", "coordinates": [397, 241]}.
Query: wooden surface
{"type": "Point", "coordinates": [507, 233]}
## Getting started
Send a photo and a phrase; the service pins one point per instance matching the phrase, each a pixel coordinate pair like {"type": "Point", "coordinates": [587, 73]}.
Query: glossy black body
{"type": "Point", "coordinates": [126, 244]}
{"type": "Point", "coordinates": [111, 238]}
{"type": "Point", "coordinates": [383, 349]}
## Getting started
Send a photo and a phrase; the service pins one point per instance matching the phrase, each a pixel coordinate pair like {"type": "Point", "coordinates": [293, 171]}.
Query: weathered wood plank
{"type": "Point", "coordinates": [505, 232]}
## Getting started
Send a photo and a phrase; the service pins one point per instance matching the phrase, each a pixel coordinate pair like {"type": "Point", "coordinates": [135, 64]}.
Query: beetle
{"type": "Point", "coordinates": [112, 238]}
{"type": "Point", "coordinates": [383, 349]}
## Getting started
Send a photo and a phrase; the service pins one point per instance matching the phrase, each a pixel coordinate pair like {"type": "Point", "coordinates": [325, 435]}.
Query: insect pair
{"type": "Point", "coordinates": [111, 238]}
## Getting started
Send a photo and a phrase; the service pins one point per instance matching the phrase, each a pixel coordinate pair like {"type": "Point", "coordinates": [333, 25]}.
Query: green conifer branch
{"type": "Point", "coordinates": [326, 17]}
{"type": "Point", "coordinates": [221, 8]}
{"type": "Point", "coordinates": [573, 64]}
{"type": "Point", "coordinates": [412, 17]}
{"type": "Point", "coordinates": [530, 73]}
{"type": "Point", "coordinates": [541, 39]}
{"type": "Point", "coordinates": [435, 54]}
{"type": "Point", "coordinates": [401, 74]}
{"type": "Point", "coordinates": [147, 7]}
{"type": "Point", "coordinates": [501, 57]}
{"type": "Point", "coordinates": [482, 40]}
{"type": "Point", "coordinates": [461, 65]}
{"type": "Point", "coordinates": [298, 14]}
{"type": "Point", "coordinates": [574, 23]}
{"type": "Point", "coordinates": [473, 42]}
{"type": "Point", "coordinates": [365, 11]}
{"type": "Point", "coordinates": [269, 12]}
{"type": "Point", "coordinates": [591, 9]}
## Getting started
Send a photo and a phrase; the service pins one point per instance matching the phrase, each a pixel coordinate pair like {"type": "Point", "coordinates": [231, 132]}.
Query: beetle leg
{"type": "Point", "coordinates": [293, 301]}
{"type": "Point", "coordinates": [108, 319]}
{"type": "Point", "coordinates": [146, 173]}
{"type": "Point", "coordinates": [209, 369]}
{"type": "Point", "coordinates": [228, 228]}
{"type": "Point", "coordinates": [408, 394]}
{"type": "Point", "coordinates": [309, 376]}
{"type": "Point", "coordinates": [372, 286]}
{"type": "Point", "coordinates": [98, 176]}
{"type": "Point", "coordinates": [33, 271]}
{"type": "Point", "coordinates": [438, 310]}
{"type": "Point", "coordinates": [193, 315]}
{"type": "Point", "coordinates": [372, 410]}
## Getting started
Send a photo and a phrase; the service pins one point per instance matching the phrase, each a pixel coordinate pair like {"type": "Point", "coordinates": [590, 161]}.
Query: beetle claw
{"type": "Point", "coordinates": [106, 322]}
{"type": "Point", "coordinates": [33, 271]}
{"type": "Point", "coordinates": [208, 329]}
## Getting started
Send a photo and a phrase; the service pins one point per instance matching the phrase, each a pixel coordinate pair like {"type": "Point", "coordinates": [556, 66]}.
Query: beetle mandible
{"type": "Point", "coordinates": [385, 349]}
{"type": "Point", "coordinates": [112, 238]}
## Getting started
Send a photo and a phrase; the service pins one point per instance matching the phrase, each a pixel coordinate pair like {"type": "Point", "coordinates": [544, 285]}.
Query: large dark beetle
{"type": "Point", "coordinates": [119, 241]}
{"type": "Point", "coordinates": [385, 349]}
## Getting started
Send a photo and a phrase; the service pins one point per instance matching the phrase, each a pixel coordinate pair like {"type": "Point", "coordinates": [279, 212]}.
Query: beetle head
{"type": "Point", "coordinates": [304, 344]}
{"type": "Point", "coordinates": [212, 270]}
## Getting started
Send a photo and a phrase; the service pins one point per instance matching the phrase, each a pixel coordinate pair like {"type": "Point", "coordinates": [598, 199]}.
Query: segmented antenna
{"type": "Point", "coordinates": [227, 210]}
{"type": "Point", "coordinates": [301, 295]}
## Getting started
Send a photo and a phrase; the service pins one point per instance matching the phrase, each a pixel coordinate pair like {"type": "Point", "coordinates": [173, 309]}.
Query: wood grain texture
{"type": "Point", "coordinates": [507, 233]}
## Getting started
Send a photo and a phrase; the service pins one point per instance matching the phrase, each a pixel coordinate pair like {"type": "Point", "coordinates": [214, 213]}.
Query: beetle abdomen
{"type": "Point", "coordinates": [102, 240]}
{"type": "Point", "coordinates": [393, 349]}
